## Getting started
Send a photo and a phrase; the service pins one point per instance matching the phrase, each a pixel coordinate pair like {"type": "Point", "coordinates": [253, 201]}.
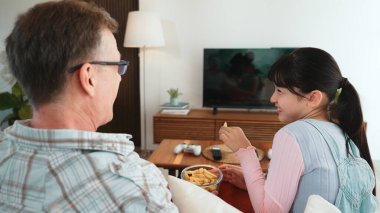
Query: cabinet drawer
{"type": "Point", "coordinates": [191, 129]}
{"type": "Point", "coordinates": [255, 131]}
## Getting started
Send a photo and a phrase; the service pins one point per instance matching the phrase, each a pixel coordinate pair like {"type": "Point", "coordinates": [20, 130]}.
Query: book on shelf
{"type": "Point", "coordinates": [175, 111]}
{"type": "Point", "coordinates": [181, 105]}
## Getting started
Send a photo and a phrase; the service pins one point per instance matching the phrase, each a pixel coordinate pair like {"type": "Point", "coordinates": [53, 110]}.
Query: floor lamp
{"type": "Point", "coordinates": [143, 30]}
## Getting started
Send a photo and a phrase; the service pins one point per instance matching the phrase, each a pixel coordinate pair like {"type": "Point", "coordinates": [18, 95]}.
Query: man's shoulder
{"type": "Point", "coordinates": [105, 165]}
{"type": "Point", "coordinates": [2, 136]}
{"type": "Point", "coordinates": [104, 160]}
{"type": "Point", "coordinates": [129, 165]}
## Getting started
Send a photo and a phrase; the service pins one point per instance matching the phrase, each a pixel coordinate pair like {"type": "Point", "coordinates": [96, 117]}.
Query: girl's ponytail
{"type": "Point", "coordinates": [346, 110]}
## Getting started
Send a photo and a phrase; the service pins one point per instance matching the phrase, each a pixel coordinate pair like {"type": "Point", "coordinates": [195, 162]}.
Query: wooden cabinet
{"type": "Point", "coordinates": [182, 127]}
{"type": "Point", "coordinates": [203, 125]}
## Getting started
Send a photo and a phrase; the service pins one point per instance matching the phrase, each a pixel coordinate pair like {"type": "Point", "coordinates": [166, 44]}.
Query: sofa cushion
{"type": "Point", "coordinates": [190, 198]}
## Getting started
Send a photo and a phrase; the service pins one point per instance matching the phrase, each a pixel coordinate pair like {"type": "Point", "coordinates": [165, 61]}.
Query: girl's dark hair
{"type": "Point", "coordinates": [50, 38]}
{"type": "Point", "coordinates": [311, 69]}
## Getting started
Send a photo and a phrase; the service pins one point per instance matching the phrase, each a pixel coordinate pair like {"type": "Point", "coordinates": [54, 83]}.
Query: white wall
{"type": "Point", "coordinates": [9, 10]}
{"type": "Point", "coordinates": [348, 29]}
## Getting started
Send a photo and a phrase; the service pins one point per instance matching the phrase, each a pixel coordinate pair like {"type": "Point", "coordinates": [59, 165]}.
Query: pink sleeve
{"type": "Point", "coordinates": [277, 192]}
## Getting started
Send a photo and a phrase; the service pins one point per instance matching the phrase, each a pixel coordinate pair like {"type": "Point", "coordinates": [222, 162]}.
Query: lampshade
{"type": "Point", "coordinates": [143, 30]}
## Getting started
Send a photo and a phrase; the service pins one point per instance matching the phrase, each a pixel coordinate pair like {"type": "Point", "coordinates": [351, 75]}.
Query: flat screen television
{"type": "Point", "coordinates": [237, 78]}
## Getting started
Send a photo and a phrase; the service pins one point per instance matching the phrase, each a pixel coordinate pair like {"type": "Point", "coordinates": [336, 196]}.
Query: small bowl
{"type": "Point", "coordinates": [214, 185]}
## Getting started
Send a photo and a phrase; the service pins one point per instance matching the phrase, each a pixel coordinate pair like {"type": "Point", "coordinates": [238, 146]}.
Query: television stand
{"type": "Point", "coordinates": [201, 124]}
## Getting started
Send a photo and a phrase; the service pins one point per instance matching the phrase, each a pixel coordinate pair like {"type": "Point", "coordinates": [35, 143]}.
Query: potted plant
{"type": "Point", "coordinates": [17, 101]}
{"type": "Point", "coordinates": [174, 93]}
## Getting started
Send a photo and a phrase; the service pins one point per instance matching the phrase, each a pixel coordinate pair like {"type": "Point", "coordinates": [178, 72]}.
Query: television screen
{"type": "Point", "coordinates": [237, 78]}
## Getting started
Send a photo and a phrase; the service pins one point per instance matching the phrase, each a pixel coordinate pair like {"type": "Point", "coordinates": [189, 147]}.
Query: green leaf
{"type": "Point", "coordinates": [174, 92]}
{"type": "Point", "coordinates": [11, 117]}
{"type": "Point", "coordinates": [17, 91]}
{"type": "Point", "coordinates": [7, 101]}
{"type": "Point", "coordinates": [25, 112]}
{"type": "Point", "coordinates": [21, 109]}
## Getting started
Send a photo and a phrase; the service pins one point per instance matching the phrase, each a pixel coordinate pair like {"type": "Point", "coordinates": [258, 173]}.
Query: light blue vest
{"type": "Point", "coordinates": [356, 178]}
{"type": "Point", "coordinates": [320, 175]}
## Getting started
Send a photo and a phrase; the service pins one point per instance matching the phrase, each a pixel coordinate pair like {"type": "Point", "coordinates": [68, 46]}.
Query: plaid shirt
{"type": "Point", "coordinates": [76, 171]}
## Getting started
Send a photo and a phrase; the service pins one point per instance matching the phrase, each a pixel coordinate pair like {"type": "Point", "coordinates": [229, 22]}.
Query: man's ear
{"type": "Point", "coordinates": [315, 98]}
{"type": "Point", "coordinates": [86, 79]}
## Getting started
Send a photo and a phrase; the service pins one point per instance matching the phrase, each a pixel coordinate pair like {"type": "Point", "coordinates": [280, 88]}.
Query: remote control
{"type": "Point", "coordinates": [216, 153]}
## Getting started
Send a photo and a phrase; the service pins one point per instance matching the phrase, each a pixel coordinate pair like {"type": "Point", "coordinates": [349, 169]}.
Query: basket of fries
{"type": "Point", "coordinates": [202, 176]}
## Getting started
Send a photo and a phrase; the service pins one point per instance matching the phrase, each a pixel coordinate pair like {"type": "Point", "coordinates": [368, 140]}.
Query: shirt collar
{"type": "Point", "coordinates": [53, 139]}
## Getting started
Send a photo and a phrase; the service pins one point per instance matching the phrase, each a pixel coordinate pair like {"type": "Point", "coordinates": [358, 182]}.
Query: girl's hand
{"type": "Point", "coordinates": [234, 175]}
{"type": "Point", "coordinates": [234, 138]}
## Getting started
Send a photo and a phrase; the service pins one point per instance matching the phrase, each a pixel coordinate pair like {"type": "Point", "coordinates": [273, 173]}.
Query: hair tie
{"type": "Point", "coordinates": [336, 97]}
{"type": "Point", "coordinates": [343, 82]}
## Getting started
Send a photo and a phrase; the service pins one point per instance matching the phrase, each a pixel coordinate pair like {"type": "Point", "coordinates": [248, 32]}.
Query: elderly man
{"type": "Point", "coordinates": [66, 59]}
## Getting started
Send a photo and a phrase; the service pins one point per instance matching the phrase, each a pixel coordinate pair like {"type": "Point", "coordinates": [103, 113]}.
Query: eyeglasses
{"type": "Point", "coordinates": [123, 65]}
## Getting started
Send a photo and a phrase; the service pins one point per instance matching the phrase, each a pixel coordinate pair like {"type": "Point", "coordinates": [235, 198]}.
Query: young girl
{"type": "Point", "coordinates": [309, 87]}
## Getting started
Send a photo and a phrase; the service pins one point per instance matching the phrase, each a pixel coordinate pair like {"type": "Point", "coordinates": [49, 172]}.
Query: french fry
{"type": "Point", "coordinates": [210, 175]}
{"type": "Point", "coordinates": [200, 171]}
{"type": "Point", "coordinates": [186, 176]}
{"type": "Point", "coordinates": [199, 175]}
{"type": "Point", "coordinates": [197, 180]}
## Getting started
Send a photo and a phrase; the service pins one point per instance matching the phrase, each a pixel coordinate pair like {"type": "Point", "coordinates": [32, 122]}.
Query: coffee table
{"type": "Point", "coordinates": [164, 157]}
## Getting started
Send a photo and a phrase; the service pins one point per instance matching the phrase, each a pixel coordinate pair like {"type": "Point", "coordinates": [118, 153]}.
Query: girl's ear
{"type": "Point", "coordinates": [315, 98]}
{"type": "Point", "coordinates": [86, 79]}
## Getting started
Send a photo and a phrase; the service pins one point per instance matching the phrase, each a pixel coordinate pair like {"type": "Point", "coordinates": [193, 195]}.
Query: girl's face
{"type": "Point", "coordinates": [290, 107]}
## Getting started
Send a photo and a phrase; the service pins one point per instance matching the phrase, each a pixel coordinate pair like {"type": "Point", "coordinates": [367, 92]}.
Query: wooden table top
{"type": "Point", "coordinates": [164, 157]}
